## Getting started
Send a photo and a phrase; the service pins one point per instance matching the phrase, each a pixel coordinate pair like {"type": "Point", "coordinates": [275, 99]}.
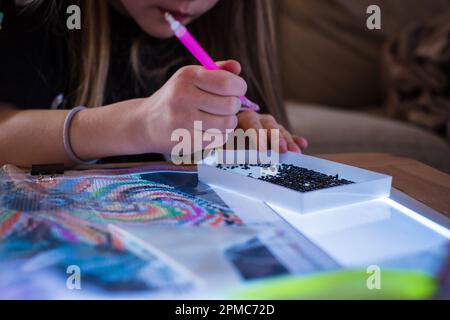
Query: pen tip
{"type": "Point", "coordinates": [169, 18]}
{"type": "Point", "coordinates": [248, 104]}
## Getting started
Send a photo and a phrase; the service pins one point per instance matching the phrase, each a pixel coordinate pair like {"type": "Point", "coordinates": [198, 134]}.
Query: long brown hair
{"type": "Point", "coordinates": [239, 29]}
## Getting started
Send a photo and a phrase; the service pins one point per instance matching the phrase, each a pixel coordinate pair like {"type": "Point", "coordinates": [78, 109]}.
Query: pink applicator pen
{"type": "Point", "coordinates": [200, 54]}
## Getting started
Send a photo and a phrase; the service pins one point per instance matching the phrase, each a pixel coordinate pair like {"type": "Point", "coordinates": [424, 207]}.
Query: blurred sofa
{"type": "Point", "coordinates": [331, 69]}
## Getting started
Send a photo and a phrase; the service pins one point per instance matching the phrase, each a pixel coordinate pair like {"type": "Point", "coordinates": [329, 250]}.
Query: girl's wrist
{"type": "Point", "coordinates": [103, 132]}
{"type": "Point", "coordinates": [138, 124]}
{"type": "Point", "coordinates": [67, 137]}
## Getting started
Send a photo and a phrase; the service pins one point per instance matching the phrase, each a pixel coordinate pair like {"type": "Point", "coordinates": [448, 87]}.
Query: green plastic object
{"type": "Point", "coordinates": [344, 284]}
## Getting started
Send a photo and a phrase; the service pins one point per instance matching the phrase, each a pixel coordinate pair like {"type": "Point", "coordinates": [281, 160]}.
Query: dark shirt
{"type": "Point", "coordinates": [35, 64]}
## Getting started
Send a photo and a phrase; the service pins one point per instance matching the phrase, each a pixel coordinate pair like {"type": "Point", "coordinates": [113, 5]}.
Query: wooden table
{"type": "Point", "coordinates": [419, 181]}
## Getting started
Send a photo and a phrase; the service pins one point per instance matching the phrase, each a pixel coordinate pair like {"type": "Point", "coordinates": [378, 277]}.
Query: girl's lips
{"type": "Point", "coordinates": [180, 16]}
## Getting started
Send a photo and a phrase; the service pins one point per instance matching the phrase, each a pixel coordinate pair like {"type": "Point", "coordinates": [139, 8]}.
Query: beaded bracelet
{"type": "Point", "coordinates": [66, 137]}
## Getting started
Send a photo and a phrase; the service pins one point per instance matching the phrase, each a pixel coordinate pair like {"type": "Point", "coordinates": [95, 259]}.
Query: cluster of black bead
{"type": "Point", "coordinates": [302, 179]}
{"type": "Point", "coordinates": [232, 167]}
{"type": "Point", "coordinates": [295, 178]}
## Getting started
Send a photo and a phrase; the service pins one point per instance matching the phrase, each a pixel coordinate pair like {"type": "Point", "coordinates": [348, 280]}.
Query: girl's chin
{"type": "Point", "coordinates": [160, 32]}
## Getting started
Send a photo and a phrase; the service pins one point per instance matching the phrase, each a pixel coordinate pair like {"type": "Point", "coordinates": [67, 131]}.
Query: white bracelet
{"type": "Point", "coordinates": [66, 137]}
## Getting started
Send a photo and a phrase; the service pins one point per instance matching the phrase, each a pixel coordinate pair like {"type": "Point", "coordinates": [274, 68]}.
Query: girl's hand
{"type": "Point", "coordinates": [288, 142]}
{"type": "Point", "coordinates": [192, 94]}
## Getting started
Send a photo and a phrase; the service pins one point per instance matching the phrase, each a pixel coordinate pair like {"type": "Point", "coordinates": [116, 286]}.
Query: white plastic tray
{"type": "Point", "coordinates": [368, 185]}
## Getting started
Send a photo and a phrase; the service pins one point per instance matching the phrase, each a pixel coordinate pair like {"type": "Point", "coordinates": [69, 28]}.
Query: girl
{"type": "Point", "coordinates": [137, 82]}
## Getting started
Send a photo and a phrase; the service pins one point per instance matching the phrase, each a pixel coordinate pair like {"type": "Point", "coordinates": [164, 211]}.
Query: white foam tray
{"type": "Point", "coordinates": [368, 185]}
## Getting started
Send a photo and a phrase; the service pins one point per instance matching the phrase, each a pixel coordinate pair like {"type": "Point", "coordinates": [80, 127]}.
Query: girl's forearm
{"type": "Point", "coordinates": [32, 137]}
{"type": "Point", "coordinates": [36, 136]}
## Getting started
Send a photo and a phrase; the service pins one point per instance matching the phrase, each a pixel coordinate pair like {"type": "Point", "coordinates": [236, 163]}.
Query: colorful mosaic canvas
{"type": "Point", "coordinates": [101, 198]}
{"type": "Point", "coordinates": [36, 246]}
{"type": "Point", "coordinates": [50, 223]}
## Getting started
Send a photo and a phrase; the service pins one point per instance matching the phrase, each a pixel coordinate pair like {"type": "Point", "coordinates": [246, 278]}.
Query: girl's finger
{"type": "Point", "coordinates": [270, 124]}
{"type": "Point", "coordinates": [301, 142]}
{"type": "Point", "coordinates": [210, 103]}
{"type": "Point", "coordinates": [291, 144]}
{"type": "Point", "coordinates": [210, 121]}
{"type": "Point", "coordinates": [251, 120]}
{"type": "Point", "coordinates": [219, 82]}
{"type": "Point", "coordinates": [231, 66]}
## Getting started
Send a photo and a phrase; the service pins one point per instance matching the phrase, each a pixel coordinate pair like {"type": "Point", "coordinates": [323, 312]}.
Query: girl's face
{"type": "Point", "coordinates": [149, 14]}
